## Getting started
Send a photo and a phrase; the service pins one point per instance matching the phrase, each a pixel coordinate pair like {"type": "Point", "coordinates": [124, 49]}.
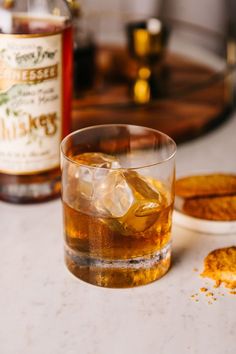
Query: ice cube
{"type": "Point", "coordinates": [130, 199]}
{"type": "Point", "coordinates": [113, 197]}
{"type": "Point", "coordinates": [97, 159]}
{"type": "Point", "coordinates": [85, 185]}
{"type": "Point", "coordinates": [145, 194]}
{"type": "Point", "coordinates": [146, 207]}
{"type": "Point", "coordinates": [88, 179]}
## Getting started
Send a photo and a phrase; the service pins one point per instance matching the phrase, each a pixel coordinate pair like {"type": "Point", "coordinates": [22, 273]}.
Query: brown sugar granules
{"type": "Point", "coordinates": [220, 265]}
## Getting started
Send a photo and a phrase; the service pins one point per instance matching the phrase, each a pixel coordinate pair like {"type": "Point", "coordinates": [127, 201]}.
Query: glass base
{"type": "Point", "coordinates": [30, 192]}
{"type": "Point", "coordinates": [119, 273]}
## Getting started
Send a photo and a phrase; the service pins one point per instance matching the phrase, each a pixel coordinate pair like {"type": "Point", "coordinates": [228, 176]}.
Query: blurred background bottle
{"type": "Point", "coordinates": [84, 49]}
{"type": "Point", "coordinates": [35, 96]}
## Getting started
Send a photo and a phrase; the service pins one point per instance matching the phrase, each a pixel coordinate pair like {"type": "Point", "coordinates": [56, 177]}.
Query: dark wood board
{"type": "Point", "coordinates": [196, 100]}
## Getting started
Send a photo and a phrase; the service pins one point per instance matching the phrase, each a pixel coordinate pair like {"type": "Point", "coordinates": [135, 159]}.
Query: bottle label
{"type": "Point", "coordinates": [30, 102]}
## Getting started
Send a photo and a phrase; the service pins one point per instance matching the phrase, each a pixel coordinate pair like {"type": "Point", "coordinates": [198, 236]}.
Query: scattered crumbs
{"type": "Point", "coordinates": [220, 266]}
{"type": "Point", "coordinates": [209, 294]}
{"type": "Point", "coordinates": [195, 297]}
{"type": "Point", "coordinates": [221, 294]}
{"type": "Point", "coordinates": [233, 292]}
{"type": "Point", "coordinates": [203, 290]}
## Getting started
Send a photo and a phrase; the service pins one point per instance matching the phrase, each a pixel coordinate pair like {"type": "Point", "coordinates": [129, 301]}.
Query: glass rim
{"type": "Point", "coordinates": [66, 138]}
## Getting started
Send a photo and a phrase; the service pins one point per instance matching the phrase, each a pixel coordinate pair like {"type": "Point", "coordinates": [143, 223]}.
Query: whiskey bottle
{"type": "Point", "coordinates": [35, 96]}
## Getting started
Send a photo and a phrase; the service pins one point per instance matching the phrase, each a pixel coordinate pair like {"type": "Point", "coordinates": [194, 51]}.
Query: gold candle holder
{"type": "Point", "coordinates": [147, 43]}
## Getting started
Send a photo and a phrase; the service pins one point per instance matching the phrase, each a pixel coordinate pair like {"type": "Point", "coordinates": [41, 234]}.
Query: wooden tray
{"type": "Point", "coordinates": [196, 98]}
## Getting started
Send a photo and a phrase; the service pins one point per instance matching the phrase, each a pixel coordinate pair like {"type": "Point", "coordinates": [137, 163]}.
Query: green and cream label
{"type": "Point", "coordinates": [30, 103]}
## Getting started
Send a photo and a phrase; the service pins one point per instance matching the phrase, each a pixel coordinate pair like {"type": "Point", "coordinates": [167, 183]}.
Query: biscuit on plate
{"type": "Point", "coordinates": [215, 208]}
{"type": "Point", "coordinates": [206, 185]}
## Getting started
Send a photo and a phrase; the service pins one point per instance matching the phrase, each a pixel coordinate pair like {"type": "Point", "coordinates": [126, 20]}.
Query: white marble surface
{"type": "Point", "coordinates": [45, 310]}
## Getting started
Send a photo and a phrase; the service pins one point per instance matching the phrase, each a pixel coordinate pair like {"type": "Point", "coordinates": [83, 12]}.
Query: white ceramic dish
{"type": "Point", "coordinates": [204, 226]}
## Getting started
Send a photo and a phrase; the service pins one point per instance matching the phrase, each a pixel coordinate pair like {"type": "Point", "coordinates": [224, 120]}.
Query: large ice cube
{"type": "Point", "coordinates": [90, 179]}
{"type": "Point", "coordinates": [113, 197]}
{"type": "Point", "coordinates": [130, 199]}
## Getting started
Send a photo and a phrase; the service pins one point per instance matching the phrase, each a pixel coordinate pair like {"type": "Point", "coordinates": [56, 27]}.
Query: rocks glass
{"type": "Point", "coordinates": [118, 194]}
